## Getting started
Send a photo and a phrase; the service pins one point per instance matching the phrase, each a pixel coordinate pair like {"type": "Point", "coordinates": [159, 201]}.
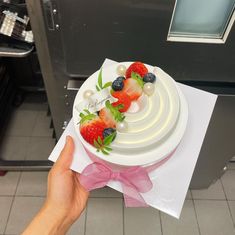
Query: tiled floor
{"type": "Point", "coordinates": [205, 212]}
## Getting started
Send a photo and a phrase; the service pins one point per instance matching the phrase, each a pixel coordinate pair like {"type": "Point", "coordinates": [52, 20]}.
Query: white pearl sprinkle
{"type": "Point", "coordinates": [122, 126]}
{"type": "Point", "coordinates": [87, 94]}
{"type": "Point", "coordinates": [149, 88]}
{"type": "Point", "coordinates": [121, 70]}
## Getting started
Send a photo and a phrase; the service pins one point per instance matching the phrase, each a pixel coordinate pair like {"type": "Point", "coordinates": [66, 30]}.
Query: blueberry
{"type": "Point", "coordinates": [108, 131]}
{"type": "Point", "coordinates": [117, 85]}
{"type": "Point", "coordinates": [149, 77]}
{"type": "Point", "coordinates": [121, 78]}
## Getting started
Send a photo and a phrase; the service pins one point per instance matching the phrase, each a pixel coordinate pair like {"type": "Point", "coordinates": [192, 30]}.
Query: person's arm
{"type": "Point", "coordinates": [66, 198]}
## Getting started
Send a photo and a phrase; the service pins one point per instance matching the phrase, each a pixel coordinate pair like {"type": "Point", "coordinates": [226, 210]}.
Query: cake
{"type": "Point", "coordinates": [130, 114]}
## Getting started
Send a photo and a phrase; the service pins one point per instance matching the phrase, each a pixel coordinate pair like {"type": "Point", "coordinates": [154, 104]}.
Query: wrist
{"type": "Point", "coordinates": [56, 221]}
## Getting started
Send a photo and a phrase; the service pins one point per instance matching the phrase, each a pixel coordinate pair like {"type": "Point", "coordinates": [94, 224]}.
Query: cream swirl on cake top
{"type": "Point", "coordinates": [155, 120]}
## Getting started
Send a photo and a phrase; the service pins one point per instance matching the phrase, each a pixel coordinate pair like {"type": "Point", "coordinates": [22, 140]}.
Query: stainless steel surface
{"type": "Point", "coordinates": [14, 52]}
{"type": "Point", "coordinates": [134, 30]}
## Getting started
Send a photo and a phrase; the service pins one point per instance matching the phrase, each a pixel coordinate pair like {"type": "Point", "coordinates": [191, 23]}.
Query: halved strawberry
{"type": "Point", "coordinates": [133, 87]}
{"type": "Point", "coordinates": [110, 115]}
{"type": "Point", "coordinates": [137, 67]}
{"type": "Point", "coordinates": [91, 127]}
{"type": "Point", "coordinates": [123, 99]}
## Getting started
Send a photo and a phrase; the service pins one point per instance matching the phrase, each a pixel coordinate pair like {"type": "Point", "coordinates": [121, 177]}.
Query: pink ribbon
{"type": "Point", "coordinates": [134, 180]}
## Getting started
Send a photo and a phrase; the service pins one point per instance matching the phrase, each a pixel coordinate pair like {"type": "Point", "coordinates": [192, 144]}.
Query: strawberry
{"type": "Point", "coordinates": [137, 67]}
{"type": "Point", "coordinates": [91, 127]}
{"type": "Point", "coordinates": [111, 115]}
{"type": "Point", "coordinates": [133, 86]}
{"type": "Point", "coordinates": [123, 99]}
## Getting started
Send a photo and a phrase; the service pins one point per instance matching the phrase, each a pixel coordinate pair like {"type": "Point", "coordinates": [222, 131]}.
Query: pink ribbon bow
{"type": "Point", "coordinates": [134, 180]}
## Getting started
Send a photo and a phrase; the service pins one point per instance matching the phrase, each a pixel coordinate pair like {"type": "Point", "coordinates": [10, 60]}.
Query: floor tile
{"type": "Point", "coordinates": [104, 216]}
{"type": "Point", "coordinates": [21, 123]}
{"type": "Point", "coordinates": [8, 183]}
{"type": "Point", "coordinates": [40, 148]}
{"type": "Point", "coordinates": [187, 224]}
{"type": "Point", "coordinates": [105, 192]}
{"type": "Point", "coordinates": [214, 217]}
{"type": "Point", "coordinates": [5, 206]}
{"type": "Point", "coordinates": [231, 165]}
{"type": "Point", "coordinates": [42, 125]}
{"type": "Point", "coordinates": [142, 221]}
{"type": "Point", "coordinates": [228, 181]}
{"type": "Point", "coordinates": [189, 194]}
{"type": "Point", "coordinates": [32, 184]}
{"type": "Point", "coordinates": [78, 228]}
{"type": "Point", "coordinates": [215, 191]}
{"type": "Point", "coordinates": [14, 148]}
{"type": "Point", "coordinates": [22, 212]}
{"type": "Point", "coordinates": [232, 209]}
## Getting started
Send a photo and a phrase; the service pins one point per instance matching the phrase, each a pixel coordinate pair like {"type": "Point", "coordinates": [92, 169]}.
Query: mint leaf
{"type": "Point", "coordinates": [138, 78]}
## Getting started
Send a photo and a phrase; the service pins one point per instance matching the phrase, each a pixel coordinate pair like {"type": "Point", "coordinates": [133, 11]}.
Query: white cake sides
{"type": "Point", "coordinates": [153, 132]}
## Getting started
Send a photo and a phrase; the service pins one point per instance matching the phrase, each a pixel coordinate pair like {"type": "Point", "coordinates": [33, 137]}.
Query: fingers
{"type": "Point", "coordinates": [66, 156]}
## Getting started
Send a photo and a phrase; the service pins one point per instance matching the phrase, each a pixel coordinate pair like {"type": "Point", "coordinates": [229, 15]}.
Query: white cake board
{"type": "Point", "coordinates": [170, 181]}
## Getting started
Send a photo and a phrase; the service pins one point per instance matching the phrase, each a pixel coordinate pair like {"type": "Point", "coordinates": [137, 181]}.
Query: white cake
{"type": "Point", "coordinates": [156, 123]}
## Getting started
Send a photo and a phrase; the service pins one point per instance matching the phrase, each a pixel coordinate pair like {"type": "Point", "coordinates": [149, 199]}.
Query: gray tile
{"type": "Point", "coordinates": [8, 183]}
{"type": "Point", "coordinates": [32, 184]}
{"type": "Point", "coordinates": [22, 212]}
{"type": "Point", "coordinates": [187, 224]}
{"type": "Point", "coordinates": [214, 217]}
{"type": "Point", "coordinates": [231, 165]}
{"type": "Point", "coordinates": [22, 123]}
{"type": "Point", "coordinates": [189, 194]}
{"type": "Point", "coordinates": [232, 209]}
{"type": "Point", "coordinates": [40, 148]}
{"type": "Point", "coordinates": [142, 221]}
{"type": "Point", "coordinates": [228, 181]}
{"type": "Point", "coordinates": [5, 206]}
{"type": "Point", "coordinates": [42, 126]}
{"type": "Point", "coordinates": [215, 191]}
{"type": "Point", "coordinates": [78, 228]}
{"type": "Point", "coordinates": [14, 148]}
{"type": "Point", "coordinates": [104, 216]}
{"type": "Point", "coordinates": [105, 192]}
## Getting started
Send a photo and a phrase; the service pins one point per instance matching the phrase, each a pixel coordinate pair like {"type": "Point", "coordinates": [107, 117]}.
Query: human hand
{"type": "Point", "coordinates": [66, 197]}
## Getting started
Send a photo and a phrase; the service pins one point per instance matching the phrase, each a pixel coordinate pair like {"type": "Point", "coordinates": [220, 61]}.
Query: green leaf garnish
{"type": "Point", "coordinates": [107, 84]}
{"type": "Point", "coordinates": [97, 88]}
{"type": "Point", "coordinates": [138, 78]}
{"type": "Point", "coordinates": [103, 145]}
{"type": "Point", "coordinates": [100, 79]}
{"type": "Point", "coordinates": [100, 85]}
{"type": "Point", "coordinates": [86, 117]}
{"type": "Point", "coordinates": [118, 116]}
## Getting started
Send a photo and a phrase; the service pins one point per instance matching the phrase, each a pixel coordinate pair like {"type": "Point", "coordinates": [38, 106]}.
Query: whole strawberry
{"type": "Point", "coordinates": [91, 127]}
{"type": "Point", "coordinates": [137, 67]}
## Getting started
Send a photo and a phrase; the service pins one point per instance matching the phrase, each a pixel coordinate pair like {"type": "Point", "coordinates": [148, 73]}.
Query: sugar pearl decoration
{"type": "Point", "coordinates": [149, 88]}
{"type": "Point", "coordinates": [121, 70]}
{"type": "Point", "coordinates": [122, 126]}
{"type": "Point", "coordinates": [87, 94]}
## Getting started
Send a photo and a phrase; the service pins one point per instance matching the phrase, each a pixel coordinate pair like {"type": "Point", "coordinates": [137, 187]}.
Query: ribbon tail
{"type": "Point", "coordinates": [132, 197]}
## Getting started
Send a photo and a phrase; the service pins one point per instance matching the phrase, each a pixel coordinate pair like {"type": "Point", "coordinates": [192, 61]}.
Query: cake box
{"type": "Point", "coordinates": [156, 122]}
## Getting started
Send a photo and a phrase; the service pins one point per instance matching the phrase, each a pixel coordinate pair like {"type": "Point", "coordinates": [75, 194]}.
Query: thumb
{"type": "Point", "coordinates": [66, 156]}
